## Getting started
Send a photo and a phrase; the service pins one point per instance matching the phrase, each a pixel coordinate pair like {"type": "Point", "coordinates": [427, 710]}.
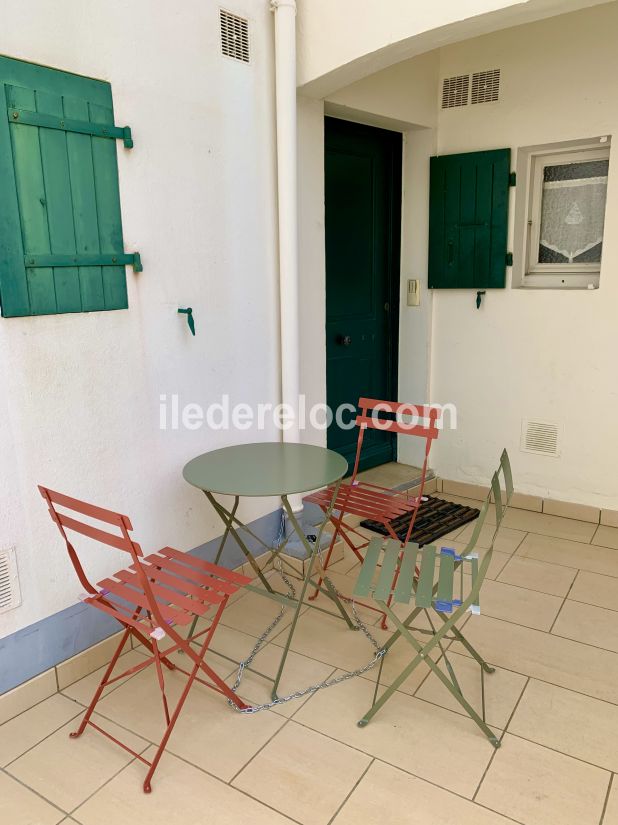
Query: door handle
{"type": "Point", "coordinates": [344, 340]}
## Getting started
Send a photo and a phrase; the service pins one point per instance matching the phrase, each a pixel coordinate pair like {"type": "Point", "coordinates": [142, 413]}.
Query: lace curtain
{"type": "Point", "coordinates": [573, 212]}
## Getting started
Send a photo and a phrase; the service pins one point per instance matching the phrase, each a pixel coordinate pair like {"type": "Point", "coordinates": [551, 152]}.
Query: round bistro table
{"type": "Point", "coordinates": [270, 469]}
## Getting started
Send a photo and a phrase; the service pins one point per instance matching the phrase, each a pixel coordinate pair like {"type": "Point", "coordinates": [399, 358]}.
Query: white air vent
{"type": "Point", "coordinates": [10, 595]}
{"type": "Point", "coordinates": [486, 86]}
{"type": "Point", "coordinates": [540, 437]}
{"type": "Point", "coordinates": [455, 91]}
{"type": "Point", "coordinates": [234, 36]}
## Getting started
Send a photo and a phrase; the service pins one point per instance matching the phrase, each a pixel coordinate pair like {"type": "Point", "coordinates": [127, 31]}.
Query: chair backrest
{"type": "Point", "coordinates": [119, 540]}
{"type": "Point", "coordinates": [500, 502]}
{"type": "Point", "coordinates": [422, 423]}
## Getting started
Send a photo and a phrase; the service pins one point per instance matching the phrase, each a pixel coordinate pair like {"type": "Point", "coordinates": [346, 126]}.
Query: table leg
{"type": "Point", "coordinates": [312, 552]}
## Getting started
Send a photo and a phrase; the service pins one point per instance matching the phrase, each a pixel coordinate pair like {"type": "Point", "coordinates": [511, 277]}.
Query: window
{"type": "Point", "coordinates": [565, 216]}
{"type": "Point", "coordinates": [61, 246]}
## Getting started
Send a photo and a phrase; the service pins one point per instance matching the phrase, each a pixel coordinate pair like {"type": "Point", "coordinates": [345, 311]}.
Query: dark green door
{"type": "Point", "coordinates": [363, 214]}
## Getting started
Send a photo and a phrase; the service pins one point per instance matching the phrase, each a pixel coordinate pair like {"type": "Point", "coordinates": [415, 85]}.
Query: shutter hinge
{"type": "Point", "coordinates": [509, 259]}
{"type": "Point", "coordinates": [111, 259]}
{"type": "Point", "coordinates": [512, 178]}
{"type": "Point", "coordinates": [65, 124]}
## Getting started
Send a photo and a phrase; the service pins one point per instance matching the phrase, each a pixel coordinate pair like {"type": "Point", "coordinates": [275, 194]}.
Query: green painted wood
{"type": "Point", "coordinates": [84, 127]}
{"type": "Point", "coordinates": [14, 297]}
{"type": "Point", "coordinates": [265, 469]}
{"type": "Point", "coordinates": [468, 220]}
{"type": "Point", "coordinates": [362, 168]}
{"type": "Point", "coordinates": [368, 568]}
{"type": "Point", "coordinates": [424, 588]}
{"type": "Point", "coordinates": [105, 166]}
{"type": "Point", "coordinates": [55, 166]}
{"type": "Point", "coordinates": [79, 150]}
{"type": "Point", "coordinates": [407, 568]}
{"type": "Point", "coordinates": [387, 571]}
{"type": "Point", "coordinates": [62, 192]}
{"type": "Point", "coordinates": [445, 578]}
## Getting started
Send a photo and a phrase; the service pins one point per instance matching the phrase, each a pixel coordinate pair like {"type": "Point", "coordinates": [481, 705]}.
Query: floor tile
{"type": "Point", "coordinates": [593, 588]}
{"type": "Point", "coordinates": [589, 624]}
{"type": "Point", "coordinates": [66, 771]}
{"type": "Point", "coordinates": [546, 657]}
{"type": "Point", "coordinates": [181, 795]}
{"type": "Point", "coordinates": [388, 795]}
{"type": "Point", "coordinates": [429, 741]}
{"type": "Point", "coordinates": [606, 537]}
{"type": "Point", "coordinates": [209, 733]}
{"type": "Point", "coordinates": [20, 806]}
{"type": "Point", "coordinates": [568, 509]}
{"type": "Point", "coordinates": [84, 690]}
{"type": "Point", "coordinates": [390, 475]}
{"type": "Point", "coordinates": [543, 524]}
{"type": "Point", "coordinates": [30, 727]}
{"type": "Point", "coordinates": [502, 690]}
{"type": "Point", "coordinates": [538, 786]}
{"type": "Point", "coordinates": [299, 673]}
{"type": "Point", "coordinates": [303, 774]}
{"type": "Point", "coordinates": [569, 553]}
{"type": "Point", "coordinates": [611, 812]}
{"type": "Point", "coordinates": [254, 612]}
{"type": "Point", "coordinates": [506, 541]}
{"type": "Point", "coordinates": [538, 575]}
{"type": "Point", "coordinates": [568, 722]}
{"type": "Point", "coordinates": [518, 604]}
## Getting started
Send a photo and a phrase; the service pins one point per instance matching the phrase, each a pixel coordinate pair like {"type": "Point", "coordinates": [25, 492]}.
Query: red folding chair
{"type": "Point", "coordinates": [151, 598]}
{"type": "Point", "coordinates": [369, 501]}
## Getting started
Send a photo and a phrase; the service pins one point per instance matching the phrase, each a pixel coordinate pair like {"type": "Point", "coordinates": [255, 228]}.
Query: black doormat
{"type": "Point", "coordinates": [435, 518]}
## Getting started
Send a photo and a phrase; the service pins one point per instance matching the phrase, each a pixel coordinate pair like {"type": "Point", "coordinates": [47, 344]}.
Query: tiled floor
{"type": "Point", "coordinates": [549, 624]}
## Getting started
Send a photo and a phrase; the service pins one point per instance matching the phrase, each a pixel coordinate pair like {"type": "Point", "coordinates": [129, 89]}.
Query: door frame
{"type": "Point", "coordinates": [393, 263]}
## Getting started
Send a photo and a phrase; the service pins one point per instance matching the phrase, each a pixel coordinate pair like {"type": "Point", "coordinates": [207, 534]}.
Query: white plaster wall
{"type": "Point", "coordinates": [79, 404]}
{"type": "Point", "coordinates": [549, 354]}
{"type": "Point", "coordinates": [342, 41]}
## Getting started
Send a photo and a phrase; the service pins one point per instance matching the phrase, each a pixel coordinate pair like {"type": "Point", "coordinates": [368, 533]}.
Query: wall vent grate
{"type": "Point", "coordinates": [486, 86]}
{"type": "Point", "coordinates": [455, 91]}
{"type": "Point", "coordinates": [540, 437]}
{"type": "Point", "coordinates": [10, 595]}
{"type": "Point", "coordinates": [234, 36]}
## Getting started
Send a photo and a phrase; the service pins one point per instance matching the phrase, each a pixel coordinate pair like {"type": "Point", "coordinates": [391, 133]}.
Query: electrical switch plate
{"type": "Point", "coordinates": [414, 292]}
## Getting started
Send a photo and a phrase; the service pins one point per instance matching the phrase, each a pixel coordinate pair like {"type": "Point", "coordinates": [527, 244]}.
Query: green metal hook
{"type": "Point", "coordinates": [189, 313]}
{"type": "Point", "coordinates": [479, 298]}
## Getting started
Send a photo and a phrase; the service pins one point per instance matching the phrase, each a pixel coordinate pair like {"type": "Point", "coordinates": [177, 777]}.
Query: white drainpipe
{"type": "Point", "coordinates": [285, 94]}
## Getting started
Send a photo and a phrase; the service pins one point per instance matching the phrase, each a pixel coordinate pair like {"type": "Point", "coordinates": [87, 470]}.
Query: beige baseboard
{"type": "Point", "coordinates": [537, 504]}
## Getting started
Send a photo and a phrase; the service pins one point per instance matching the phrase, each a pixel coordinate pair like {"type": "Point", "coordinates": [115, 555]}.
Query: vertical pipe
{"type": "Point", "coordinates": [285, 94]}
{"type": "Point", "coordinates": [285, 97]}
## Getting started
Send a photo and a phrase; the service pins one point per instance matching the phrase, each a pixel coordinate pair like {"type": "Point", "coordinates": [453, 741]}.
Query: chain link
{"type": "Point", "coordinates": [280, 700]}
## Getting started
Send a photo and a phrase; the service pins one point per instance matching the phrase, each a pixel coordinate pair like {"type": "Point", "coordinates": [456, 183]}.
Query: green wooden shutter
{"type": "Point", "coordinates": [61, 246]}
{"type": "Point", "coordinates": [468, 219]}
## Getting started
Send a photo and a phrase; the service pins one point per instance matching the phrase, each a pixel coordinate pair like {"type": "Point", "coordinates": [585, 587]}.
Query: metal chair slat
{"type": "Point", "coordinates": [403, 589]}
{"type": "Point", "coordinates": [424, 588]}
{"type": "Point", "coordinates": [365, 577]}
{"type": "Point", "coordinates": [387, 572]}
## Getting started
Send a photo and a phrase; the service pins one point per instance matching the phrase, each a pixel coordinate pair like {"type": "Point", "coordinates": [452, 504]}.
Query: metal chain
{"type": "Point", "coordinates": [380, 651]}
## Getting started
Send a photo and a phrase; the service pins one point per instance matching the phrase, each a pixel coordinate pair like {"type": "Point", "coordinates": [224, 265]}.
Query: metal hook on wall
{"type": "Point", "coordinates": [189, 313]}
{"type": "Point", "coordinates": [479, 297]}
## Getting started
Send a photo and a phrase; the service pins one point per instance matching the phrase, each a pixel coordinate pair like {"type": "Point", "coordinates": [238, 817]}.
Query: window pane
{"type": "Point", "coordinates": [573, 212]}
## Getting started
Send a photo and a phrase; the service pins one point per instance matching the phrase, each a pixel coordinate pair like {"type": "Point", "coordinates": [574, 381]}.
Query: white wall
{"type": "Point", "coordinates": [525, 353]}
{"type": "Point", "coordinates": [80, 393]}
{"type": "Point", "coordinates": [342, 41]}
{"type": "Point", "coordinates": [550, 354]}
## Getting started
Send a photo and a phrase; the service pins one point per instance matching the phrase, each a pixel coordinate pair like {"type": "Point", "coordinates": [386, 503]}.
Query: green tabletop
{"type": "Point", "coordinates": [265, 469]}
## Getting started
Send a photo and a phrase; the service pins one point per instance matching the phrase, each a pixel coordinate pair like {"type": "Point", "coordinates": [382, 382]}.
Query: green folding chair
{"type": "Point", "coordinates": [428, 579]}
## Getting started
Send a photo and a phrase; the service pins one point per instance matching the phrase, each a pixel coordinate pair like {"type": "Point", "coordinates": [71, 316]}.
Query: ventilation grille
{"type": "Point", "coordinates": [455, 91]}
{"type": "Point", "coordinates": [540, 437]}
{"type": "Point", "coordinates": [486, 86]}
{"type": "Point", "coordinates": [10, 596]}
{"type": "Point", "coordinates": [234, 36]}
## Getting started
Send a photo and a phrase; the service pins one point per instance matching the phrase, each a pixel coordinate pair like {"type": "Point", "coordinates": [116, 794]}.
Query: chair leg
{"type": "Point", "coordinates": [102, 684]}
{"type": "Point", "coordinates": [333, 541]}
{"type": "Point", "coordinates": [471, 650]}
